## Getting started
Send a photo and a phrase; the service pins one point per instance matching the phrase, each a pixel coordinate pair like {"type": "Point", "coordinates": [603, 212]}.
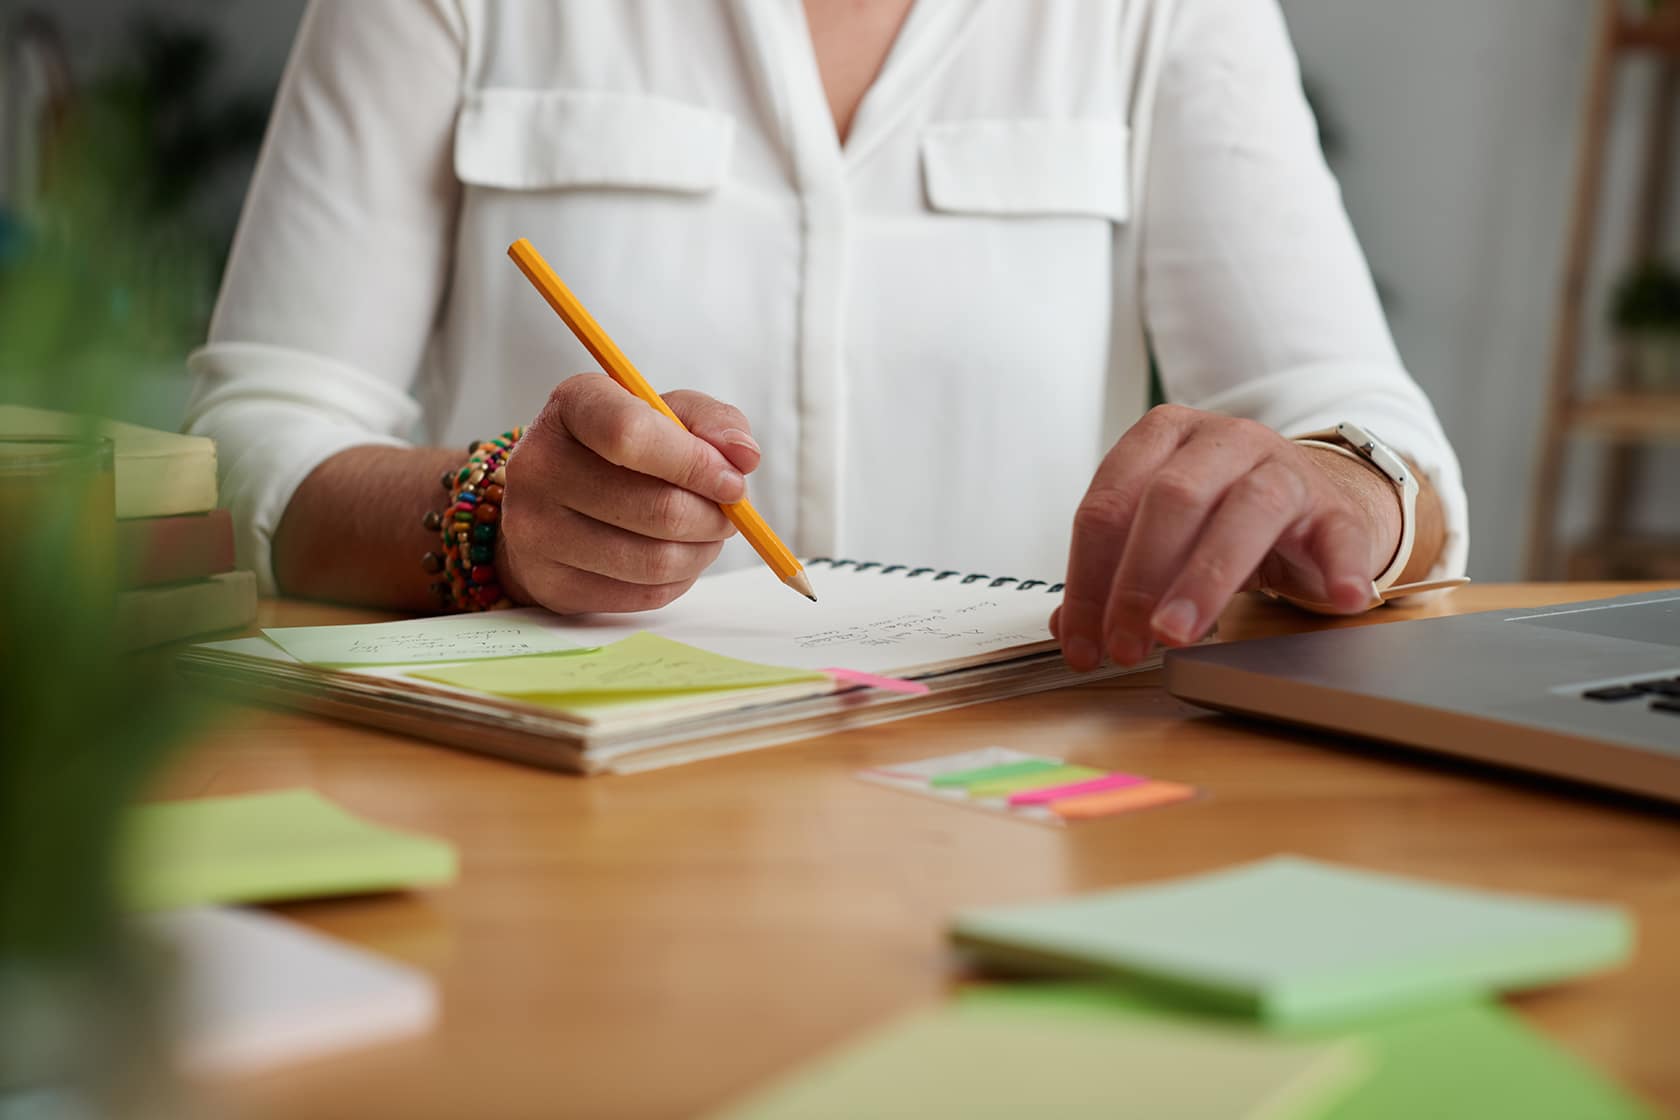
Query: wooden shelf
{"type": "Point", "coordinates": [1625, 556]}
{"type": "Point", "coordinates": [1632, 415]}
{"type": "Point", "coordinates": [1659, 34]}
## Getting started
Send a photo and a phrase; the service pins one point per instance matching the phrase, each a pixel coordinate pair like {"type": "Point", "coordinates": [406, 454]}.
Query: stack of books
{"type": "Point", "coordinates": [175, 560]}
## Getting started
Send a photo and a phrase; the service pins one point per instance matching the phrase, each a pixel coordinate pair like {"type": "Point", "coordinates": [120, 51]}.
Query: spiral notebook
{"type": "Point", "coordinates": [969, 637]}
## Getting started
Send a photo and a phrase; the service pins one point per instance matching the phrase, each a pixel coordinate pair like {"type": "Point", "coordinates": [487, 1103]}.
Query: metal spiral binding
{"type": "Point", "coordinates": [914, 573]}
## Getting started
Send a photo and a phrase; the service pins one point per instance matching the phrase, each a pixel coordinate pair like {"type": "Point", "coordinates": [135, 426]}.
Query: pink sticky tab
{"type": "Point", "coordinates": [1076, 789]}
{"type": "Point", "coordinates": [870, 680]}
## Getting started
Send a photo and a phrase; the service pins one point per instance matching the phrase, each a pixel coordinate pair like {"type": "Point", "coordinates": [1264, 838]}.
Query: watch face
{"type": "Point", "coordinates": [1378, 452]}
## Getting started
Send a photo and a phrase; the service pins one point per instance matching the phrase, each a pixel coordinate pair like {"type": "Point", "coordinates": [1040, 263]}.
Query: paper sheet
{"type": "Point", "coordinates": [254, 992]}
{"type": "Point", "coordinates": [462, 637]}
{"type": "Point", "coordinates": [870, 622]}
{"type": "Point", "coordinates": [642, 665]}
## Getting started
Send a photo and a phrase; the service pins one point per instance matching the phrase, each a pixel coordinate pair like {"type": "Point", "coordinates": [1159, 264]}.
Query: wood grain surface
{"type": "Point", "coordinates": [653, 945]}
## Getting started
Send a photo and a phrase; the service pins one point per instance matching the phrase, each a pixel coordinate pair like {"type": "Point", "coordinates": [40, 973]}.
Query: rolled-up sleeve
{"type": "Point", "coordinates": [1257, 297]}
{"type": "Point", "coordinates": [341, 259]}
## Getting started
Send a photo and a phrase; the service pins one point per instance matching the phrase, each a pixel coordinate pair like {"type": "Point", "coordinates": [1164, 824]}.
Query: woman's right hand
{"type": "Point", "coordinates": [611, 507]}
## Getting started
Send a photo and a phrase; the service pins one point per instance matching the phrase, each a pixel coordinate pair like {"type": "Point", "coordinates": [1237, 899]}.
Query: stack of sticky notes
{"type": "Point", "coordinates": [1290, 940]}
{"type": "Point", "coordinates": [268, 847]}
{"type": "Point", "coordinates": [1027, 786]}
{"type": "Point", "coordinates": [982, 1062]}
{"type": "Point", "coordinates": [1283, 990]}
{"type": "Point", "coordinates": [1462, 1060]}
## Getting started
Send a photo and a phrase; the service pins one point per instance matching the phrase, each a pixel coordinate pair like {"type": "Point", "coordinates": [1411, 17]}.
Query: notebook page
{"type": "Point", "coordinates": [869, 621]}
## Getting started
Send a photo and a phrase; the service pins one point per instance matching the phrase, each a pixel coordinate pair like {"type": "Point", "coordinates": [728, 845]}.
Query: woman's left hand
{"type": "Point", "coordinates": [1190, 508]}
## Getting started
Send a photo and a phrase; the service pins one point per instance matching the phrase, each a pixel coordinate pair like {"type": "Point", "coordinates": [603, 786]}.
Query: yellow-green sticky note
{"type": "Point", "coordinates": [268, 847]}
{"type": "Point", "coordinates": [986, 1063]}
{"type": "Point", "coordinates": [1042, 779]}
{"type": "Point", "coordinates": [643, 665]}
{"type": "Point", "coordinates": [995, 773]}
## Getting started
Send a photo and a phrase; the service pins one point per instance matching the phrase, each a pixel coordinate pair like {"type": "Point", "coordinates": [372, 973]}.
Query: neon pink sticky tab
{"type": "Point", "coordinates": [1049, 794]}
{"type": "Point", "coordinates": [870, 680]}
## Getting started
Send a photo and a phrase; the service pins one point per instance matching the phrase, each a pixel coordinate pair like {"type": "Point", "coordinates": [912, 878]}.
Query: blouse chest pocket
{"type": "Point", "coordinates": [533, 140]}
{"type": "Point", "coordinates": [1025, 168]}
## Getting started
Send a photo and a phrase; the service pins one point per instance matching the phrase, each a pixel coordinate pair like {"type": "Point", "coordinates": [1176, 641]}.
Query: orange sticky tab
{"type": "Point", "coordinates": [1121, 800]}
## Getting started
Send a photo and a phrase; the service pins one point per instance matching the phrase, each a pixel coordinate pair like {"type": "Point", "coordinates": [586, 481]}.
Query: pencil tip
{"type": "Point", "coordinates": [813, 598]}
{"type": "Point", "coordinates": [802, 584]}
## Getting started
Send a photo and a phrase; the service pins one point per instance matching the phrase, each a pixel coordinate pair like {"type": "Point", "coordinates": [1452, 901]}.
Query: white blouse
{"type": "Point", "coordinates": [936, 329]}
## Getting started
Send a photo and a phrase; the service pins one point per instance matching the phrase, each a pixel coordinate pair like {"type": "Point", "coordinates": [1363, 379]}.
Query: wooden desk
{"type": "Point", "coordinates": [652, 945]}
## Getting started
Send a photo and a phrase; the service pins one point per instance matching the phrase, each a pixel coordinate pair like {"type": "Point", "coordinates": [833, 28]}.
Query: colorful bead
{"type": "Point", "coordinates": [467, 528]}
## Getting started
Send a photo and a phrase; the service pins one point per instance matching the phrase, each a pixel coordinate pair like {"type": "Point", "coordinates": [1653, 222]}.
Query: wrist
{"type": "Point", "coordinates": [1371, 492]}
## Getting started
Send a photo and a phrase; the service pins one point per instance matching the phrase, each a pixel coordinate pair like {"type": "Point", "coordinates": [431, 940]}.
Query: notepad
{"type": "Point", "coordinates": [268, 847]}
{"type": "Point", "coordinates": [925, 639]}
{"type": "Point", "coordinates": [254, 992]}
{"type": "Point", "coordinates": [643, 665]}
{"type": "Point", "coordinates": [1295, 941]}
{"type": "Point", "coordinates": [1463, 1060]}
{"type": "Point", "coordinates": [985, 1063]}
{"type": "Point", "coordinates": [461, 637]}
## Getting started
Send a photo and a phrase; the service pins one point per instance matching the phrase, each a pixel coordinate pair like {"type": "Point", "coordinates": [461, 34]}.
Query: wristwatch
{"type": "Point", "coordinates": [1357, 443]}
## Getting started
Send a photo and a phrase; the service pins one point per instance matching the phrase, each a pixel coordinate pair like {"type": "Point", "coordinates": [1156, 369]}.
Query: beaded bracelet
{"type": "Point", "coordinates": [468, 528]}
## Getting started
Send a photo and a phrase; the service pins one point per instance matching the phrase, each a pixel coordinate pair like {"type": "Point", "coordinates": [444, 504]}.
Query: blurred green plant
{"type": "Point", "coordinates": [109, 271]}
{"type": "Point", "coordinates": [1647, 300]}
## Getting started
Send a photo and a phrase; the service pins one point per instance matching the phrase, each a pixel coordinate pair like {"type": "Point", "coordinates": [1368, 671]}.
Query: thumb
{"type": "Point", "coordinates": [723, 426]}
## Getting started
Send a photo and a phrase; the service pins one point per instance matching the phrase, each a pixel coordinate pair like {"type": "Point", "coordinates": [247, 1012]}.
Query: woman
{"type": "Point", "coordinates": [919, 245]}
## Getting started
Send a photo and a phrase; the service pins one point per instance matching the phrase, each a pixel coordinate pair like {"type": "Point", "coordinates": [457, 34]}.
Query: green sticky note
{"type": "Point", "coordinates": [268, 847]}
{"type": "Point", "coordinates": [642, 665]}
{"type": "Point", "coordinates": [1462, 1060]}
{"type": "Point", "coordinates": [1055, 776]}
{"type": "Point", "coordinates": [461, 637]}
{"type": "Point", "coordinates": [1000, 772]}
{"type": "Point", "coordinates": [983, 1063]}
{"type": "Point", "coordinates": [1295, 941]}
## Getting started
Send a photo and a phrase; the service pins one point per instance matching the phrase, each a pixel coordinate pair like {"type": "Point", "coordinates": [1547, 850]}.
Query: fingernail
{"type": "Point", "coordinates": [1082, 653]}
{"type": "Point", "coordinates": [1176, 622]}
{"type": "Point", "coordinates": [731, 486]}
{"type": "Point", "coordinates": [735, 437]}
{"type": "Point", "coordinates": [1353, 594]}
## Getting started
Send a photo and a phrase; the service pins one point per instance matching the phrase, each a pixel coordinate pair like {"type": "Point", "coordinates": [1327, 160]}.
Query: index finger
{"type": "Point", "coordinates": [629, 433]}
{"type": "Point", "coordinates": [1101, 526]}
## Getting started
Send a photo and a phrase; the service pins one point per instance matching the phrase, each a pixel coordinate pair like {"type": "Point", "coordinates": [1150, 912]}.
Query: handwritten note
{"type": "Point", "coordinates": [643, 665]}
{"type": "Point", "coordinates": [465, 637]}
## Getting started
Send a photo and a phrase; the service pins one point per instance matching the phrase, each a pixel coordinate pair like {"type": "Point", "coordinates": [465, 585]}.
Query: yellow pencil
{"type": "Point", "coordinates": [601, 346]}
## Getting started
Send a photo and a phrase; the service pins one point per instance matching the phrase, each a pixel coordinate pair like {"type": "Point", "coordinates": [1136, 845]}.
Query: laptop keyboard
{"type": "Point", "coordinates": [1662, 692]}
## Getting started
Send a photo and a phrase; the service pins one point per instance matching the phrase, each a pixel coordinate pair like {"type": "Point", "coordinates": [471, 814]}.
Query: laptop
{"type": "Point", "coordinates": [1583, 691]}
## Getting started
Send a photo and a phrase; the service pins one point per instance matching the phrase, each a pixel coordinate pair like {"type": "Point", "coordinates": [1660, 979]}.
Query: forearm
{"type": "Point", "coordinates": [352, 532]}
{"type": "Point", "coordinates": [1377, 496]}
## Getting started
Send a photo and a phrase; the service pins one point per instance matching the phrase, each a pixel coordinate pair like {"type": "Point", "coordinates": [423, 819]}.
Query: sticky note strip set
{"type": "Point", "coordinates": [1030, 787]}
